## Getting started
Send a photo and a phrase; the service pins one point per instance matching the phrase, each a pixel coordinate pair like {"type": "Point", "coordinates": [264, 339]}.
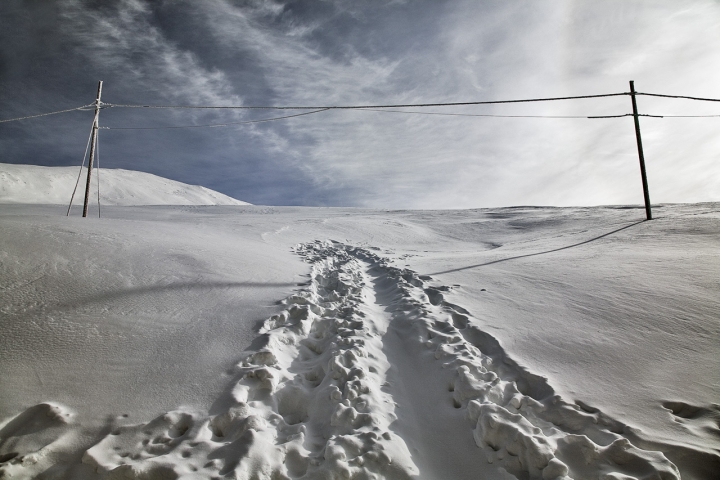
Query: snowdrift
{"type": "Point", "coordinates": [32, 184]}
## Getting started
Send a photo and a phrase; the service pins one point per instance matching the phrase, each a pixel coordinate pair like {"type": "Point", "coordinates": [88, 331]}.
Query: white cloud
{"type": "Point", "coordinates": [121, 38]}
{"type": "Point", "coordinates": [477, 51]}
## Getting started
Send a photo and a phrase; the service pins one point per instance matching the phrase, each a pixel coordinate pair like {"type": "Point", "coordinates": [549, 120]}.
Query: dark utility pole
{"type": "Point", "coordinates": [641, 155]}
{"type": "Point", "coordinates": [93, 142]}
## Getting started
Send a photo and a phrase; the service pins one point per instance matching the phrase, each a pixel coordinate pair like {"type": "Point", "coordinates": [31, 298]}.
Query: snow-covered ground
{"type": "Point", "coordinates": [33, 184]}
{"type": "Point", "coordinates": [285, 342]}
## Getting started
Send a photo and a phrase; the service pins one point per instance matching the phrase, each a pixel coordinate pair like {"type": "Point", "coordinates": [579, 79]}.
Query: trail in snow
{"type": "Point", "coordinates": [368, 373]}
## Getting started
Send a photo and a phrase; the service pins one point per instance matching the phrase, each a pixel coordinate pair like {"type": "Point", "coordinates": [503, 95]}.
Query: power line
{"type": "Point", "coordinates": [382, 108]}
{"type": "Point", "coordinates": [358, 107]}
{"type": "Point", "coordinates": [216, 124]}
{"type": "Point", "coordinates": [593, 117]}
{"type": "Point", "coordinates": [680, 116]}
{"type": "Point", "coordinates": [497, 116]}
{"type": "Point", "coordinates": [46, 114]}
{"type": "Point", "coordinates": [366, 110]}
{"type": "Point", "coordinates": [679, 96]}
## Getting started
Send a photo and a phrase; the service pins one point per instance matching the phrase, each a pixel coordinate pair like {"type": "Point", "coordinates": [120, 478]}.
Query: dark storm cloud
{"type": "Point", "coordinates": [55, 52]}
{"type": "Point", "coordinates": [224, 52]}
{"type": "Point", "coordinates": [171, 52]}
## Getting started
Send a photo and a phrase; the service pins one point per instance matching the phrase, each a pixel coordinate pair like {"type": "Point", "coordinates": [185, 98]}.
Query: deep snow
{"type": "Point", "coordinates": [345, 343]}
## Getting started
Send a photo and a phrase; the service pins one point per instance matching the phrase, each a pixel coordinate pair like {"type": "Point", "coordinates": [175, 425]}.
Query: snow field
{"type": "Point", "coordinates": [315, 401]}
{"type": "Point", "coordinates": [369, 369]}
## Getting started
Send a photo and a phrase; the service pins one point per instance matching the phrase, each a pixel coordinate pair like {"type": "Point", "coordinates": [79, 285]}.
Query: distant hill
{"type": "Point", "coordinates": [54, 185]}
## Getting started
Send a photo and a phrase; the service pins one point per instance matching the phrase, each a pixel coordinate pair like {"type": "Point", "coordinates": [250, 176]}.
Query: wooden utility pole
{"type": "Point", "coordinates": [641, 155]}
{"type": "Point", "coordinates": [93, 143]}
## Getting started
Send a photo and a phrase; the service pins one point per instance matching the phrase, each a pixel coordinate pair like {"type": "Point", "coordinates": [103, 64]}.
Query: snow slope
{"type": "Point", "coordinates": [54, 185]}
{"type": "Point", "coordinates": [266, 342]}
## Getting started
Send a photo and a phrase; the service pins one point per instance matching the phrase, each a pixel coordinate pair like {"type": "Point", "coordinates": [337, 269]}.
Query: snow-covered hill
{"type": "Point", "coordinates": [54, 185]}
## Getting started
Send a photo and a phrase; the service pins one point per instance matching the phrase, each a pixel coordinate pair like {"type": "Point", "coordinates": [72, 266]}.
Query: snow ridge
{"type": "Point", "coordinates": [321, 399]}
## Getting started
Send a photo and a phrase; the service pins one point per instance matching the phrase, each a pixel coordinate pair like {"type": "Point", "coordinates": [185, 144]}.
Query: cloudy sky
{"type": "Point", "coordinates": [343, 52]}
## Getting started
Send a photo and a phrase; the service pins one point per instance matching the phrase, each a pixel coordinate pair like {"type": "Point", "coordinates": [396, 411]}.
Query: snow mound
{"type": "Point", "coordinates": [32, 184]}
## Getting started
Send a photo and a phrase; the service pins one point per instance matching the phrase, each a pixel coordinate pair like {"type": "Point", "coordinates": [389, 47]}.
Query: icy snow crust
{"type": "Point", "coordinates": [54, 185]}
{"type": "Point", "coordinates": [371, 370]}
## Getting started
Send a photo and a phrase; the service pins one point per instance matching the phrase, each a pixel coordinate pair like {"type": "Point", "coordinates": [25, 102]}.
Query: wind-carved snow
{"type": "Point", "coordinates": [322, 399]}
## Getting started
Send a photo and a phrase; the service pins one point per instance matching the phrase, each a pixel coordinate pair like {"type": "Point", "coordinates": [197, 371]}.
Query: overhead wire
{"type": "Point", "coordinates": [379, 108]}
{"type": "Point", "coordinates": [497, 116]}
{"type": "Point", "coordinates": [317, 109]}
{"type": "Point", "coordinates": [217, 124]}
{"type": "Point", "coordinates": [678, 96]}
{"type": "Point", "coordinates": [376, 110]}
{"type": "Point", "coordinates": [357, 107]}
{"type": "Point", "coordinates": [680, 116]}
{"type": "Point", "coordinates": [46, 114]}
{"type": "Point", "coordinates": [404, 112]}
